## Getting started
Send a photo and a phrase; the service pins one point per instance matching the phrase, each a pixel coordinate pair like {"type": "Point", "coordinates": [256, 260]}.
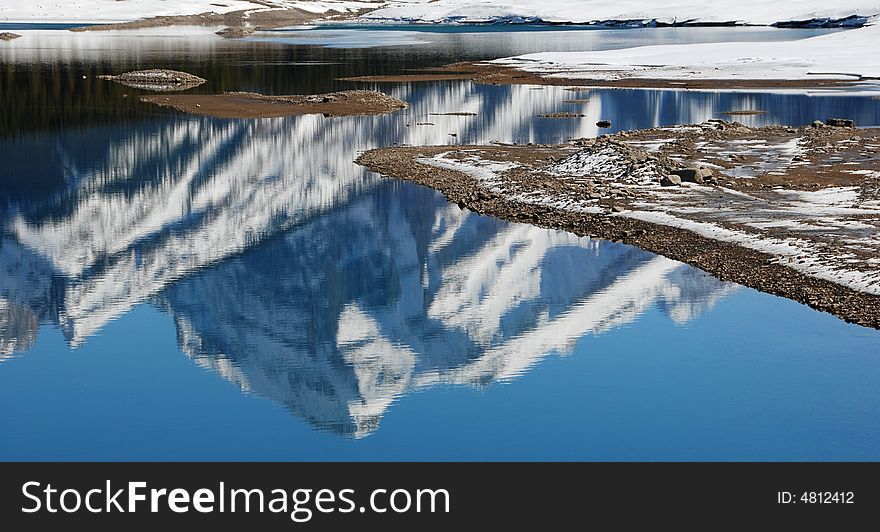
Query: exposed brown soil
{"type": "Point", "coordinates": [744, 112]}
{"type": "Point", "coordinates": [7, 36]}
{"type": "Point", "coordinates": [233, 19]}
{"type": "Point", "coordinates": [253, 105]}
{"type": "Point", "coordinates": [243, 21]}
{"type": "Point", "coordinates": [727, 261]}
{"type": "Point", "coordinates": [408, 78]}
{"type": "Point", "coordinates": [495, 74]}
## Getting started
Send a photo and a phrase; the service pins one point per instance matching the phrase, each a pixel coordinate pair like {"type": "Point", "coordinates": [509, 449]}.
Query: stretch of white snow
{"type": "Point", "coordinates": [758, 12]}
{"type": "Point", "coordinates": [110, 10]}
{"type": "Point", "coordinates": [840, 55]}
{"type": "Point", "coordinates": [451, 11]}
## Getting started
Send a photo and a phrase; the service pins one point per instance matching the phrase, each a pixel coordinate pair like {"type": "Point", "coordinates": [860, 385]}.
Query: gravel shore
{"type": "Point", "coordinates": [253, 105]}
{"type": "Point", "coordinates": [789, 211]}
{"type": "Point", "coordinates": [501, 74]}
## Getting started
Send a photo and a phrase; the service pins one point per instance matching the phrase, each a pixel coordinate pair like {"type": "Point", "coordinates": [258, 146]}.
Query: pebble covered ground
{"type": "Point", "coordinates": [789, 211]}
{"type": "Point", "coordinates": [253, 105]}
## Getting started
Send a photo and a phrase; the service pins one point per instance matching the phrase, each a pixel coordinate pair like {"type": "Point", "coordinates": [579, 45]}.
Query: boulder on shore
{"type": "Point", "coordinates": [694, 174]}
{"type": "Point", "coordinates": [840, 122]}
{"type": "Point", "coordinates": [671, 180]}
{"type": "Point", "coordinates": [158, 79]}
{"type": "Point", "coordinates": [235, 32]}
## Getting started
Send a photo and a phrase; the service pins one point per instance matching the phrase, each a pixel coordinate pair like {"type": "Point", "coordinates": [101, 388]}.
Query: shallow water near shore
{"type": "Point", "coordinates": [179, 287]}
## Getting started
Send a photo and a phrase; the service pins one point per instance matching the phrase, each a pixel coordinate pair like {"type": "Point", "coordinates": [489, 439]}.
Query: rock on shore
{"type": "Point", "coordinates": [158, 80]}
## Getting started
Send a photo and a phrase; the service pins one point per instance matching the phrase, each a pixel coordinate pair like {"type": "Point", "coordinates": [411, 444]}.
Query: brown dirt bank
{"type": "Point", "coordinates": [238, 23]}
{"type": "Point", "coordinates": [253, 105]}
{"type": "Point", "coordinates": [494, 74]}
{"type": "Point", "coordinates": [408, 78]}
{"type": "Point", "coordinates": [606, 203]}
{"type": "Point", "coordinates": [745, 112]}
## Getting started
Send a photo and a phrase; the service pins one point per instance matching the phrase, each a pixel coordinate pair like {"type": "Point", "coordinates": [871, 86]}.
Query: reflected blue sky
{"type": "Point", "coordinates": [174, 287]}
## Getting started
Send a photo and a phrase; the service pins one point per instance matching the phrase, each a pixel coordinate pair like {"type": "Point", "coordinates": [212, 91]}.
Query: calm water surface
{"type": "Point", "coordinates": [176, 287]}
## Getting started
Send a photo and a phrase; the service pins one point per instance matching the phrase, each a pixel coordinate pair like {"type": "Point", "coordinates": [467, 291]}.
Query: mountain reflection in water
{"type": "Point", "coordinates": [137, 243]}
{"type": "Point", "coordinates": [300, 277]}
{"type": "Point", "coordinates": [342, 314]}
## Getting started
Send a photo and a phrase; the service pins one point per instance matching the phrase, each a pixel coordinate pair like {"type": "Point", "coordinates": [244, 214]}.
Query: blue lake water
{"type": "Point", "coordinates": [185, 288]}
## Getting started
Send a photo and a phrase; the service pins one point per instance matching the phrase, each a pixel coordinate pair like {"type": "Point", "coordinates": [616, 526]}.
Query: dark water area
{"type": "Point", "coordinates": [178, 287]}
{"type": "Point", "coordinates": [52, 75]}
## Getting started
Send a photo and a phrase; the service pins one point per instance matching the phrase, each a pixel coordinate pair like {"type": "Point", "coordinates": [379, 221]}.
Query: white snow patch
{"type": "Point", "coordinates": [570, 204]}
{"type": "Point", "coordinates": [486, 172]}
{"type": "Point", "coordinates": [608, 163]}
{"type": "Point", "coordinates": [585, 11]}
{"type": "Point", "coordinates": [794, 253]}
{"type": "Point", "coordinates": [834, 230]}
{"type": "Point", "coordinates": [840, 55]}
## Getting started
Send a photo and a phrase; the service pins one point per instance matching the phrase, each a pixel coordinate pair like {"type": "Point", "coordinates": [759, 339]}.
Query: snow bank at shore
{"type": "Point", "coordinates": [104, 11]}
{"type": "Point", "coordinates": [758, 12]}
{"type": "Point", "coordinates": [842, 55]}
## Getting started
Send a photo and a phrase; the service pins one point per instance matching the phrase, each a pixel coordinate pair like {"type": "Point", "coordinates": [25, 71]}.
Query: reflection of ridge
{"type": "Point", "coordinates": [177, 208]}
{"type": "Point", "coordinates": [18, 328]}
{"type": "Point", "coordinates": [177, 195]}
{"type": "Point", "coordinates": [297, 276]}
{"type": "Point", "coordinates": [382, 369]}
{"type": "Point", "coordinates": [618, 304]}
{"type": "Point", "coordinates": [479, 290]}
{"type": "Point", "coordinates": [27, 295]}
{"type": "Point", "coordinates": [339, 317]}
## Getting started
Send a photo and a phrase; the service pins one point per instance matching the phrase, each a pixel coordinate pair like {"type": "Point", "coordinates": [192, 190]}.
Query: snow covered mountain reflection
{"type": "Point", "coordinates": [298, 276]}
{"type": "Point", "coordinates": [398, 290]}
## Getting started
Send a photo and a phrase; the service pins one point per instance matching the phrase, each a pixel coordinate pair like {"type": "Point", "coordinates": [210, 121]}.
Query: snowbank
{"type": "Point", "coordinates": [759, 12]}
{"type": "Point", "coordinates": [104, 11]}
{"type": "Point", "coordinates": [840, 55]}
{"type": "Point", "coordinates": [111, 10]}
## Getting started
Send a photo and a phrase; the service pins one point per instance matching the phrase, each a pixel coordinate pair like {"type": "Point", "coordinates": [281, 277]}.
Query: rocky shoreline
{"type": "Point", "coordinates": [712, 195]}
{"type": "Point", "coordinates": [504, 74]}
{"type": "Point", "coordinates": [253, 105]}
